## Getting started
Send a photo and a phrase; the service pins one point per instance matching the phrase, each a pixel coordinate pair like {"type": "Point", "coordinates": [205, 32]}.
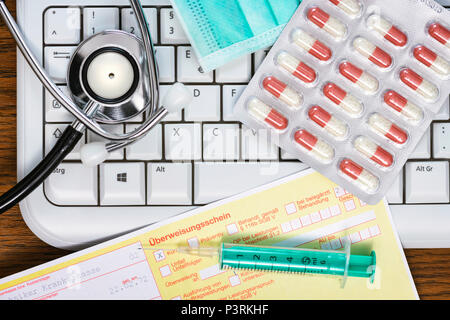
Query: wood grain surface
{"type": "Point", "coordinates": [20, 249]}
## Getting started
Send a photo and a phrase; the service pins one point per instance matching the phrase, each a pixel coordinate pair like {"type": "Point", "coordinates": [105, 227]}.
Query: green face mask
{"type": "Point", "coordinates": [223, 30]}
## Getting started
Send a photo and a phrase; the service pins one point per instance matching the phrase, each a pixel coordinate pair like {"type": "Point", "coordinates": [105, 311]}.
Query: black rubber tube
{"type": "Point", "coordinates": [62, 148]}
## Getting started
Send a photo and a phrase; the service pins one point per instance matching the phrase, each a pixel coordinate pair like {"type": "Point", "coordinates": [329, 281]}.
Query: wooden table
{"type": "Point", "coordinates": [20, 249]}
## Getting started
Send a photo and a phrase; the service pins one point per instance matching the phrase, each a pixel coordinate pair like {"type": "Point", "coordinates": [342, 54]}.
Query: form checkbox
{"type": "Point", "coordinates": [335, 210]}
{"type": "Point", "coordinates": [325, 213]}
{"type": "Point", "coordinates": [349, 205]}
{"type": "Point", "coordinates": [315, 217]}
{"type": "Point", "coordinates": [374, 230]}
{"type": "Point", "coordinates": [355, 237]}
{"type": "Point", "coordinates": [165, 271]}
{"type": "Point", "coordinates": [365, 234]}
{"type": "Point", "coordinates": [286, 227]}
{"type": "Point", "coordinates": [290, 208]}
{"type": "Point", "coordinates": [296, 224]}
{"type": "Point", "coordinates": [232, 229]}
{"type": "Point", "coordinates": [339, 192]}
{"type": "Point", "coordinates": [326, 246]}
{"type": "Point", "coordinates": [234, 280]}
{"type": "Point", "coordinates": [159, 255]}
{"type": "Point", "coordinates": [306, 220]}
{"type": "Point", "coordinates": [193, 242]}
{"type": "Point", "coordinates": [335, 244]}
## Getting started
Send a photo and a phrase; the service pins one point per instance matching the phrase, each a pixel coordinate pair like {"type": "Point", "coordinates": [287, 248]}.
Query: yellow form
{"type": "Point", "coordinates": [304, 210]}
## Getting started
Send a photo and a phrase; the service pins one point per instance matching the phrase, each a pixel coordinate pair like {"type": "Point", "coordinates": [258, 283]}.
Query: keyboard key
{"type": "Point", "coordinates": [64, 186]}
{"type": "Point", "coordinates": [165, 57]}
{"type": "Point", "coordinates": [52, 133]}
{"type": "Point", "coordinates": [117, 129]}
{"type": "Point", "coordinates": [444, 113]}
{"type": "Point", "coordinates": [287, 156]}
{"type": "Point", "coordinates": [231, 94]}
{"type": "Point", "coordinates": [206, 104]}
{"type": "Point", "coordinates": [171, 30]}
{"type": "Point", "coordinates": [183, 141]}
{"type": "Point", "coordinates": [256, 145]}
{"type": "Point", "coordinates": [97, 20]}
{"type": "Point", "coordinates": [57, 61]}
{"type": "Point", "coordinates": [129, 23]}
{"type": "Point", "coordinates": [423, 149]}
{"type": "Point", "coordinates": [441, 140]}
{"type": "Point", "coordinates": [188, 69]}
{"type": "Point", "coordinates": [147, 148]}
{"type": "Point", "coordinates": [163, 89]}
{"type": "Point", "coordinates": [259, 57]}
{"type": "Point", "coordinates": [54, 111]}
{"type": "Point", "coordinates": [122, 183]}
{"type": "Point", "coordinates": [427, 182]}
{"type": "Point", "coordinates": [238, 70]}
{"type": "Point", "coordinates": [232, 178]}
{"type": "Point", "coordinates": [221, 142]}
{"type": "Point", "coordinates": [169, 183]}
{"type": "Point", "coordinates": [62, 26]}
{"type": "Point", "coordinates": [395, 193]}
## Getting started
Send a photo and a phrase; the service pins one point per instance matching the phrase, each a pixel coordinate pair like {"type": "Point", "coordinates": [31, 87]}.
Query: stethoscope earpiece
{"type": "Point", "coordinates": [112, 78]}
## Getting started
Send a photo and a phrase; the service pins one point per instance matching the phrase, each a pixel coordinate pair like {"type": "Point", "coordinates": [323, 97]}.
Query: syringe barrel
{"type": "Point", "coordinates": [295, 260]}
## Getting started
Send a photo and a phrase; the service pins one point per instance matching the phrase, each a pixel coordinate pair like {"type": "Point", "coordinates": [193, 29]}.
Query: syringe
{"type": "Point", "coordinates": [290, 260]}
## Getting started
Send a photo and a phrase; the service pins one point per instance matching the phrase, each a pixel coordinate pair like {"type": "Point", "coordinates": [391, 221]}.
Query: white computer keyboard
{"type": "Point", "coordinates": [192, 158]}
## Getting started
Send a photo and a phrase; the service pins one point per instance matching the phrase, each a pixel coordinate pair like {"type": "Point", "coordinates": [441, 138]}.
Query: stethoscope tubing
{"type": "Point", "coordinates": [74, 132]}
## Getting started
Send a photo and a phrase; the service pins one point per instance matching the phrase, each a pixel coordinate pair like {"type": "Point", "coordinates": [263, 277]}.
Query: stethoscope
{"type": "Point", "coordinates": [112, 77]}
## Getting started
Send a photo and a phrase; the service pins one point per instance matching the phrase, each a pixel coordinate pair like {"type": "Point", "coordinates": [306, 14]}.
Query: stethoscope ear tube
{"type": "Point", "coordinates": [62, 148]}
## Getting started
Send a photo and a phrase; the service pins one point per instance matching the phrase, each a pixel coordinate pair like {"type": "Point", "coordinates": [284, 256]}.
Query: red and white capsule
{"type": "Point", "coordinates": [316, 147]}
{"type": "Point", "coordinates": [401, 105]}
{"type": "Point", "coordinates": [351, 7]}
{"type": "Point", "coordinates": [311, 45]}
{"type": "Point", "coordinates": [370, 51]}
{"type": "Point", "coordinates": [342, 98]}
{"type": "Point", "coordinates": [373, 151]}
{"type": "Point", "coordinates": [331, 124]}
{"type": "Point", "coordinates": [440, 33]}
{"type": "Point", "coordinates": [282, 91]}
{"type": "Point", "coordinates": [358, 76]}
{"type": "Point", "coordinates": [388, 31]}
{"type": "Point", "coordinates": [418, 84]}
{"type": "Point", "coordinates": [359, 175]}
{"type": "Point", "coordinates": [331, 25]}
{"type": "Point", "coordinates": [262, 112]}
{"type": "Point", "coordinates": [386, 128]}
{"type": "Point", "coordinates": [296, 67]}
{"type": "Point", "coordinates": [430, 59]}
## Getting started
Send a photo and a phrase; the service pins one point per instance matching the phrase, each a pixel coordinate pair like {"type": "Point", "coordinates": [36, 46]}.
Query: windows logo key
{"type": "Point", "coordinates": [122, 177]}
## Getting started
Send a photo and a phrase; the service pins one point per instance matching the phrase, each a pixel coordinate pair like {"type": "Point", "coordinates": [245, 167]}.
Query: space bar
{"type": "Point", "coordinates": [217, 180]}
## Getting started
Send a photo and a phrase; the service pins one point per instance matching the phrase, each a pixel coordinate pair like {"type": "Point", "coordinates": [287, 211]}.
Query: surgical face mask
{"type": "Point", "coordinates": [223, 30]}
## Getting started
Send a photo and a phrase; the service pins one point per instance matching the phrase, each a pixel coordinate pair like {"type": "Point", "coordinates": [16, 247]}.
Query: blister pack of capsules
{"type": "Point", "coordinates": [351, 86]}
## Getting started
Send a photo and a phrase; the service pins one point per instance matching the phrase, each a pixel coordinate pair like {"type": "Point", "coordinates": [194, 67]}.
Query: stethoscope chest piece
{"type": "Point", "coordinates": [110, 69]}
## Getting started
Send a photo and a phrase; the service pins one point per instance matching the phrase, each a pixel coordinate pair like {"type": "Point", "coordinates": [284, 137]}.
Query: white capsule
{"type": "Point", "coordinates": [386, 128]}
{"type": "Point", "coordinates": [343, 99]}
{"type": "Point", "coordinates": [441, 66]}
{"type": "Point", "coordinates": [374, 152]}
{"type": "Point", "coordinates": [358, 76]}
{"type": "Point", "coordinates": [316, 147]}
{"type": "Point", "coordinates": [350, 7]}
{"type": "Point", "coordinates": [400, 104]}
{"type": "Point", "coordinates": [311, 45]}
{"type": "Point", "coordinates": [264, 113]}
{"type": "Point", "coordinates": [387, 30]}
{"type": "Point", "coordinates": [331, 124]}
{"type": "Point", "coordinates": [418, 84]}
{"type": "Point", "coordinates": [282, 91]}
{"type": "Point", "coordinates": [359, 175]}
{"type": "Point", "coordinates": [324, 21]}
